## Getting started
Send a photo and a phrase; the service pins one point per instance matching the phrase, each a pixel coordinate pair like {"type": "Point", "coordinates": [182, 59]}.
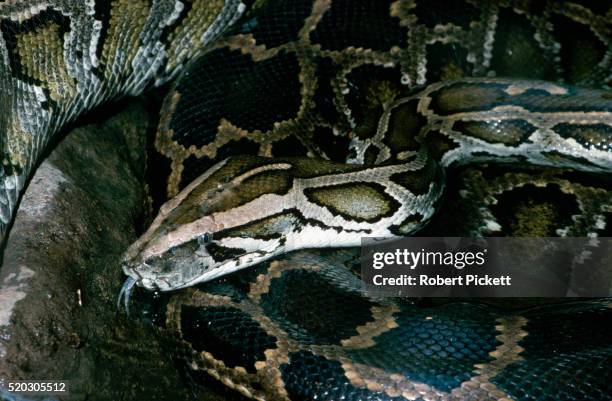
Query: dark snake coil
{"type": "Point", "coordinates": [311, 79]}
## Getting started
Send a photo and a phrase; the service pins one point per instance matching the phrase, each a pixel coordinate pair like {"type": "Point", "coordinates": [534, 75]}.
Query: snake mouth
{"type": "Point", "coordinates": [134, 278]}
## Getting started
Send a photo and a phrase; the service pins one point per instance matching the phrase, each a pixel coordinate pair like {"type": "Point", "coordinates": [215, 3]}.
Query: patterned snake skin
{"type": "Point", "coordinates": [292, 90]}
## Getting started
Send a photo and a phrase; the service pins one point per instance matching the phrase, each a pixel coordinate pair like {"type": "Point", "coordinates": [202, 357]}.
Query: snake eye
{"type": "Point", "coordinates": [204, 238]}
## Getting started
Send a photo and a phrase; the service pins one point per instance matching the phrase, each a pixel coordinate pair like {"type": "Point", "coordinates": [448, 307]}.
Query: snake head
{"type": "Point", "coordinates": [202, 233]}
{"type": "Point", "coordinates": [164, 267]}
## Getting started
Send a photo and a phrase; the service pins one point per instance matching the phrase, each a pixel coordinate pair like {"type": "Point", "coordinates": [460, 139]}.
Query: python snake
{"type": "Point", "coordinates": [304, 124]}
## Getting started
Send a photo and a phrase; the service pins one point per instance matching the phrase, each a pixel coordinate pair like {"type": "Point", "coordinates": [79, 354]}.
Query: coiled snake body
{"type": "Point", "coordinates": [305, 124]}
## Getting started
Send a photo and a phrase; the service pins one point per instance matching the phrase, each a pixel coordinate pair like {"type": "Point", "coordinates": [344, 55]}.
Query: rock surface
{"type": "Point", "coordinates": [60, 275]}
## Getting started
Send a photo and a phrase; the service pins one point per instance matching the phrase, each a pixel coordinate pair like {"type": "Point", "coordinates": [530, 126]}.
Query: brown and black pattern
{"type": "Point", "coordinates": [59, 59]}
{"type": "Point", "coordinates": [342, 84]}
{"type": "Point", "coordinates": [311, 78]}
{"type": "Point", "coordinates": [525, 202]}
{"type": "Point", "coordinates": [346, 71]}
{"type": "Point", "coordinates": [349, 346]}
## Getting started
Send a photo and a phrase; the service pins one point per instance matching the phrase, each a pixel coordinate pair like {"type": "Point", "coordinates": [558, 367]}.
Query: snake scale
{"type": "Point", "coordinates": [312, 123]}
